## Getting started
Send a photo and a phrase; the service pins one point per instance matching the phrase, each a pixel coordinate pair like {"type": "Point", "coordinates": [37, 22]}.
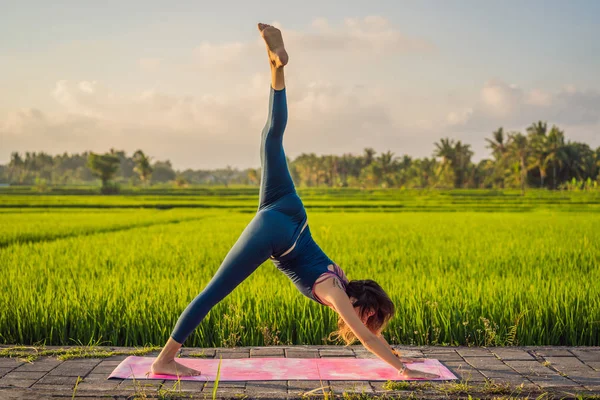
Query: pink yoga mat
{"type": "Point", "coordinates": [268, 369]}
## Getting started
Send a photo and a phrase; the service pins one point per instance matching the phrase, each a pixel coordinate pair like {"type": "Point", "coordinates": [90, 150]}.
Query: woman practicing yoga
{"type": "Point", "coordinates": [280, 231]}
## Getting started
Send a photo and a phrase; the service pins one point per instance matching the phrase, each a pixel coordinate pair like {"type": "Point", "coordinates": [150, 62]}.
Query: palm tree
{"type": "Point", "coordinates": [387, 165]}
{"type": "Point", "coordinates": [329, 164]}
{"type": "Point", "coordinates": [462, 162]}
{"type": "Point", "coordinates": [368, 156]}
{"type": "Point", "coordinates": [444, 149]}
{"type": "Point", "coordinates": [537, 129]}
{"type": "Point", "coordinates": [424, 170]}
{"type": "Point", "coordinates": [497, 145]}
{"type": "Point", "coordinates": [519, 149]}
{"type": "Point", "coordinates": [555, 151]}
{"type": "Point", "coordinates": [143, 167]}
{"type": "Point", "coordinates": [579, 160]}
{"type": "Point", "coordinates": [539, 146]}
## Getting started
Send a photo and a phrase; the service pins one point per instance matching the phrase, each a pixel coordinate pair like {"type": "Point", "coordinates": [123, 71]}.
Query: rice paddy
{"type": "Point", "coordinates": [118, 271]}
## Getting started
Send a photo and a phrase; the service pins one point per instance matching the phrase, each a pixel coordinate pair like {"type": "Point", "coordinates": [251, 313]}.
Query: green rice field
{"type": "Point", "coordinates": [463, 267]}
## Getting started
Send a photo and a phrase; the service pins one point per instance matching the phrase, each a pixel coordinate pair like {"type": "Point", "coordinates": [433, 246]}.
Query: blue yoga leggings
{"type": "Point", "coordinates": [271, 231]}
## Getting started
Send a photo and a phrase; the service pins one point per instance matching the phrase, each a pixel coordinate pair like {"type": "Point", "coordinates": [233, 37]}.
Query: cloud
{"type": "Point", "coordinates": [515, 108]}
{"type": "Point", "coordinates": [508, 104]}
{"type": "Point", "coordinates": [203, 131]}
{"type": "Point", "coordinates": [361, 36]}
{"type": "Point", "coordinates": [356, 38]}
{"type": "Point", "coordinates": [149, 64]}
{"type": "Point", "coordinates": [325, 117]}
{"type": "Point", "coordinates": [217, 55]}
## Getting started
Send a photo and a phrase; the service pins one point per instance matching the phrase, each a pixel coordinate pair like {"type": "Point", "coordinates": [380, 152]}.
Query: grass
{"type": "Point", "coordinates": [123, 276]}
{"type": "Point", "coordinates": [44, 225]}
{"type": "Point", "coordinates": [32, 353]}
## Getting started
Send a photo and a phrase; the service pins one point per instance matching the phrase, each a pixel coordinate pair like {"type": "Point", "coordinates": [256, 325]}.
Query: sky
{"type": "Point", "coordinates": [189, 81]}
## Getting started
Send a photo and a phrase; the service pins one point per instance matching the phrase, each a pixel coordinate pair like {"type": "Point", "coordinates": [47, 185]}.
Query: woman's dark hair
{"type": "Point", "coordinates": [368, 295]}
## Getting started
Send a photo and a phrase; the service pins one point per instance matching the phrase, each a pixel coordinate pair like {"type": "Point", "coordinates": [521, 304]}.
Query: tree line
{"type": "Point", "coordinates": [541, 157]}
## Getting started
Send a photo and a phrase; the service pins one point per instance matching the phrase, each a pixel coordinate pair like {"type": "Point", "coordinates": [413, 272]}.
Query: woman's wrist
{"type": "Point", "coordinates": [402, 369]}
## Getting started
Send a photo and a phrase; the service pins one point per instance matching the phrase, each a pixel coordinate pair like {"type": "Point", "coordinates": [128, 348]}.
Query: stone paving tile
{"type": "Point", "coordinates": [17, 382]}
{"type": "Point", "coordinates": [227, 354]}
{"type": "Point", "coordinates": [482, 362]}
{"type": "Point", "coordinates": [588, 376]}
{"type": "Point", "coordinates": [553, 352]}
{"type": "Point", "coordinates": [378, 387]}
{"type": "Point", "coordinates": [42, 387]}
{"type": "Point", "coordinates": [531, 368]}
{"type": "Point", "coordinates": [464, 371]}
{"type": "Point", "coordinates": [207, 352]}
{"type": "Point", "coordinates": [512, 378]}
{"type": "Point", "coordinates": [565, 362]}
{"type": "Point", "coordinates": [439, 349]}
{"type": "Point", "coordinates": [592, 364]}
{"type": "Point", "coordinates": [262, 387]}
{"type": "Point", "coordinates": [25, 374]}
{"type": "Point", "coordinates": [75, 367]}
{"type": "Point", "coordinates": [473, 352]}
{"type": "Point", "coordinates": [105, 367]}
{"type": "Point", "coordinates": [498, 372]}
{"type": "Point", "coordinates": [292, 353]}
{"type": "Point", "coordinates": [104, 385]}
{"type": "Point", "coordinates": [228, 393]}
{"type": "Point", "coordinates": [10, 362]}
{"type": "Point", "coordinates": [4, 371]}
{"type": "Point", "coordinates": [58, 380]}
{"type": "Point", "coordinates": [267, 352]}
{"type": "Point", "coordinates": [506, 354]}
{"type": "Point", "coordinates": [364, 354]}
{"type": "Point", "coordinates": [116, 358]}
{"type": "Point", "coordinates": [336, 352]}
{"type": "Point", "coordinates": [409, 353]}
{"type": "Point", "coordinates": [234, 384]}
{"type": "Point", "coordinates": [140, 384]}
{"type": "Point", "coordinates": [586, 355]}
{"type": "Point", "coordinates": [300, 387]}
{"type": "Point", "coordinates": [45, 364]}
{"type": "Point", "coordinates": [445, 356]}
{"type": "Point", "coordinates": [93, 376]}
{"type": "Point", "coordinates": [339, 387]}
{"type": "Point", "coordinates": [553, 381]}
{"type": "Point", "coordinates": [185, 386]}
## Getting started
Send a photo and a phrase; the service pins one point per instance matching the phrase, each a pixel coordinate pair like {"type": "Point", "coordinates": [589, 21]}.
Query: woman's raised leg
{"type": "Point", "coordinates": [276, 181]}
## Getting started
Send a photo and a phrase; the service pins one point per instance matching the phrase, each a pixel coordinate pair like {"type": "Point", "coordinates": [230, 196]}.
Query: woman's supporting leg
{"type": "Point", "coordinates": [251, 249]}
{"type": "Point", "coordinates": [276, 181]}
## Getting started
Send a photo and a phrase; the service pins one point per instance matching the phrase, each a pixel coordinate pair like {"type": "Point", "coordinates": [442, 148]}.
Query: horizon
{"type": "Point", "coordinates": [191, 86]}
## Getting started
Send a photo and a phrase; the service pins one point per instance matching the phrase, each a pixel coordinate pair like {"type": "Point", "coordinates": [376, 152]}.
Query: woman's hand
{"type": "Point", "coordinates": [412, 373]}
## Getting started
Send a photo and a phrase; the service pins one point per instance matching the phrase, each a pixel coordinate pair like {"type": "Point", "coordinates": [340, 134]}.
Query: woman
{"type": "Point", "coordinates": [279, 231]}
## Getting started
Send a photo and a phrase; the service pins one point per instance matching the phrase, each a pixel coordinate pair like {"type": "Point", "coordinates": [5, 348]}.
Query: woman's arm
{"type": "Point", "coordinates": [376, 344]}
{"type": "Point", "coordinates": [340, 302]}
{"type": "Point", "coordinates": [397, 353]}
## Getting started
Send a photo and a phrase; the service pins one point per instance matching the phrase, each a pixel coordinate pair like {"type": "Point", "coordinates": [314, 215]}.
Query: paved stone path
{"type": "Point", "coordinates": [562, 372]}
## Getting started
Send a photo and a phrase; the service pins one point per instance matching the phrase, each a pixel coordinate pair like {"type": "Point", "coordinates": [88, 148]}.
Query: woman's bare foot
{"type": "Point", "coordinates": [412, 373]}
{"type": "Point", "coordinates": [274, 42]}
{"type": "Point", "coordinates": [172, 368]}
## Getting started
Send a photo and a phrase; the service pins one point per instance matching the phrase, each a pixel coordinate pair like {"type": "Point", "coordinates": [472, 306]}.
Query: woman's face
{"type": "Point", "coordinates": [365, 317]}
